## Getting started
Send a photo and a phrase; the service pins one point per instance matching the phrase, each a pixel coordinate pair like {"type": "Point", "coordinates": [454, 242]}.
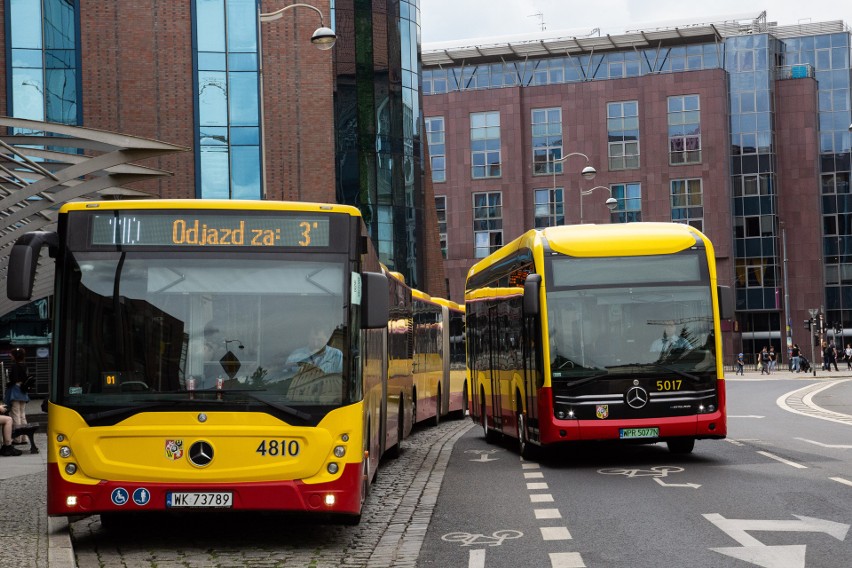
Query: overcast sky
{"type": "Point", "coordinates": [447, 20]}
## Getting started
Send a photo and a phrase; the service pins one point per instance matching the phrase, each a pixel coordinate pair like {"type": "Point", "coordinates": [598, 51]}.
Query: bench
{"type": "Point", "coordinates": [29, 431]}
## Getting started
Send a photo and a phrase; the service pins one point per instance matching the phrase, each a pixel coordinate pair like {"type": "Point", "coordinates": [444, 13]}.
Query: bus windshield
{"type": "Point", "coordinates": [636, 330]}
{"type": "Point", "coordinates": [142, 327]}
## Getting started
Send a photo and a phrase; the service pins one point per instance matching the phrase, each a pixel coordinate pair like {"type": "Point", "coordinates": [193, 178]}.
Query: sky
{"type": "Point", "coordinates": [452, 20]}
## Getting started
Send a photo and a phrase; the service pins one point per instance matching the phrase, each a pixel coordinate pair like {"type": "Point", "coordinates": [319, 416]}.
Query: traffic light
{"type": "Point", "coordinates": [808, 324]}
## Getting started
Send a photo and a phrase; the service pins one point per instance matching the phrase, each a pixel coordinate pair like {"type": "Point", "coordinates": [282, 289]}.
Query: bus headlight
{"type": "Point", "coordinates": [333, 468]}
{"type": "Point", "coordinates": [339, 451]}
{"type": "Point", "coordinates": [65, 452]}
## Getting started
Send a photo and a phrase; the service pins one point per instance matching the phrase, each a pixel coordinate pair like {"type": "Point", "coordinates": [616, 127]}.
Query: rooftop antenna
{"type": "Point", "coordinates": [540, 17]}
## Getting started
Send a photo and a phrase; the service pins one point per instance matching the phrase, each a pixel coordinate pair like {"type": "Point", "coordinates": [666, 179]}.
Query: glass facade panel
{"type": "Point", "coordinates": [623, 135]}
{"type": "Point", "coordinates": [549, 208]}
{"type": "Point", "coordinates": [487, 222]}
{"type": "Point", "coordinates": [485, 145]}
{"type": "Point", "coordinates": [629, 207]}
{"type": "Point", "coordinates": [42, 54]}
{"type": "Point", "coordinates": [546, 140]}
{"type": "Point", "coordinates": [435, 138]}
{"type": "Point", "coordinates": [228, 128]}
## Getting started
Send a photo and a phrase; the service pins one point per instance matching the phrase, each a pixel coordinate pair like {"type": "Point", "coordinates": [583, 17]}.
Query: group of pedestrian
{"type": "Point", "coordinates": [767, 360]}
{"type": "Point", "coordinates": [15, 403]}
{"type": "Point", "coordinates": [830, 355]}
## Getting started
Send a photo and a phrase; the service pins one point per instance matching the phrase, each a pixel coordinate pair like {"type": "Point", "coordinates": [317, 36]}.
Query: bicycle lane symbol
{"type": "Point", "coordinates": [476, 556]}
{"type": "Point", "coordinates": [656, 473]}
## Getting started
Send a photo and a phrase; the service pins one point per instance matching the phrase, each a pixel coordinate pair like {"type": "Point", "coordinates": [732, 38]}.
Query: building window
{"type": "Point", "coordinates": [441, 209]}
{"type": "Point", "coordinates": [435, 138]}
{"type": "Point", "coordinates": [547, 140]}
{"type": "Point", "coordinates": [549, 208]}
{"type": "Point", "coordinates": [485, 144]}
{"type": "Point", "coordinates": [687, 202]}
{"type": "Point", "coordinates": [629, 208]}
{"type": "Point", "coordinates": [684, 130]}
{"type": "Point", "coordinates": [42, 53]}
{"type": "Point", "coordinates": [487, 222]}
{"type": "Point", "coordinates": [622, 124]}
{"type": "Point", "coordinates": [228, 129]}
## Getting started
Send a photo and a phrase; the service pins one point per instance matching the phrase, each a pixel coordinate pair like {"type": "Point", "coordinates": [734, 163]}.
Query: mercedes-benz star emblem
{"type": "Point", "coordinates": [201, 453]}
{"type": "Point", "coordinates": [636, 397]}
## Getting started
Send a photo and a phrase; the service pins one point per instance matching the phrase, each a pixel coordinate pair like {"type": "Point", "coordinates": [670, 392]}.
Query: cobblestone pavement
{"type": "Point", "coordinates": [393, 525]}
{"type": "Point", "coordinates": [23, 518]}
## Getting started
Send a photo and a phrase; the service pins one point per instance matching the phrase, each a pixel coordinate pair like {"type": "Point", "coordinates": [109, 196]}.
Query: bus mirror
{"type": "Point", "coordinates": [726, 301]}
{"type": "Point", "coordinates": [374, 300]}
{"type": "Point", "coordinates": [23, 261]}
{"type": "Point", "coordinates": [531, 287]}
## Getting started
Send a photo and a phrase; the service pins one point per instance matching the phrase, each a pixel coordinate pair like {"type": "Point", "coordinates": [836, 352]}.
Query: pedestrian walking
{"type": "Point", "coordinates": [740, 365]}
{"type": "Point", "coordinates": [795, 359]}
{"type": "Point", "coordinates": [764, 361]}
{"type": "Point", "coordinates": [847, 354]}
{"type": "Point", "coordinates": [773, 359]}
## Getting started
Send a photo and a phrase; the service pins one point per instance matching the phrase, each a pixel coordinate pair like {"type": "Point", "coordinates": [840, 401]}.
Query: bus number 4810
{"type": "Point", "coordinates": [281, 448]}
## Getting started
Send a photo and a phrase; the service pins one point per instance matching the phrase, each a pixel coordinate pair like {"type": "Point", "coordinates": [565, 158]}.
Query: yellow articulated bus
{"type": "Point", "coordinates": [426, 360]}
{"type": "Point", "coordinates": [598, 332]}
{"type": "Point", "coordinates": [213, 354]}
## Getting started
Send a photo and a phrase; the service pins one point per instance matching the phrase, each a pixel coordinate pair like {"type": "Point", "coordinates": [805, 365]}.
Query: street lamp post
{"type": "Point", "coordinates": [611, 202]}
{"type": "Point", "coordinates": [588, 173]}
{"type": "Point", "coordinates": [813, 312]}
{"type": "Point", "coordinates": [323, 38]}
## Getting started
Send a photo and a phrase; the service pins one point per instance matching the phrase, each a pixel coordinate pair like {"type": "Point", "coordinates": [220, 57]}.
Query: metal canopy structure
{"type": "Point", "coordinates": [43, 165]}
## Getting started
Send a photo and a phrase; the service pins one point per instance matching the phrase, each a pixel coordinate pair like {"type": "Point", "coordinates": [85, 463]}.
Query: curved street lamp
{"type": "Point", "coordinates": [323, 38]}
{"type": "Point", "coordinates": [611, 202]}
{"type": "Point", "coordinates": [588, 172]}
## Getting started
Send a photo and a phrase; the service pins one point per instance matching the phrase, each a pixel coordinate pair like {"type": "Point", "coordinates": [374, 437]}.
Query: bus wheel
{"type": "Point", "coordinates": [681, 445]}
{"type": "Point", "coordinates": [413, 409]}
{"type": "Point", "coordinates": [437, 419]}
{"type": "Point", "coordinates": [490, 435]}
{"type": "Point", "coordinates": [525, 449]}
{"type": "Point", "coordinates": [465, 402]}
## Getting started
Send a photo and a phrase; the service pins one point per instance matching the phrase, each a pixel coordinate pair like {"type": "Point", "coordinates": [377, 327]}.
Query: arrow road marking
{"type": "Point", "coordinates": [839, 446]}
{"type": "Point", "coordinates": [483, 455]}
{"type": "Point", "coordinates": [755, 552]}
{"type": "Point", "coordinates": [664, 484]}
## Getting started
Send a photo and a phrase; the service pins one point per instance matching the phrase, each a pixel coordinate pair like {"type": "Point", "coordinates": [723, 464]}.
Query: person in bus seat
{"type": "Point", "coordinates": [318, 353]}
{"type": "Point", "coordinates": [670, 341]}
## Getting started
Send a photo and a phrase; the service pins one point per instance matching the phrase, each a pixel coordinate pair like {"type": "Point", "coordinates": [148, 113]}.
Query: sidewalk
{"type": "Point", "coordinates": [38, 542]}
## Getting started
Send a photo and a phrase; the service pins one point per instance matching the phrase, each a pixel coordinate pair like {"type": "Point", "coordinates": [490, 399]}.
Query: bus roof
{"type": "Point", "coordinates": [489, 292]}
{"type": "Point", "coordinates": [448, 303]}
{"type": "Point", "coordinates": [215, 204]}
{"type": "Point", "coordinates": [622, 239]}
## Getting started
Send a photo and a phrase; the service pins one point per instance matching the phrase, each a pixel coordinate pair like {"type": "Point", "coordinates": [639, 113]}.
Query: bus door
{"type": "Point", "coordinates": [494, 365]}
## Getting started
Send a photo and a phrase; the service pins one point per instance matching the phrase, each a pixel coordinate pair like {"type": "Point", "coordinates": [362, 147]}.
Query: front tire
{"type": "Point", "coordinates": [681, 445]}
{"type": "Point", "coordinates": [437, 419]}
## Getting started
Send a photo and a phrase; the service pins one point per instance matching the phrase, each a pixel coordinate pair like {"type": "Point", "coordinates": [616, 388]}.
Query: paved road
{"type": "Point", "coordinates": [397, 516]}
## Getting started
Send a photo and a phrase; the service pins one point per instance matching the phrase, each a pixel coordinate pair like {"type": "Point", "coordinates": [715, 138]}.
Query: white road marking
{"type": "Point", "coordinates": [664, 484]}
{"type": "Point", "coordinates": [566, 560]}
{"type": "Point", "coordinates": [782, 460]}
{"type": "Point", "coordinates": [841, 480]}
{"type": "Point", "coordinates": [533, 475]}
{"type": "Point", "coordinates": [534, 485]}
{"type": "Point", "coordinates": [541, 498]}
{"type": "Point", "coordinates": [529, 466]}
{"type": "Point", "coordinates": [476, 559]}
{"type": "Point", "coordinates": [753, 551]}
{"type": "Point", "coordinates": [837, 446]}
{"type": "Point", "coordinates": [555, 533]}
{"type": "Point", "coordinates": [734, 442]}
{"type": "Point", "coordinates": [547, 514]}
{"type": "Point", "coordinates": [800, 401]}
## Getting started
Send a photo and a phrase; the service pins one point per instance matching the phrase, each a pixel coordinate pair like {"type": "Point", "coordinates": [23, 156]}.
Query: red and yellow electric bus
{"type": "Point", "coordinates": [213, 354]}
{"type": "Point", "coordinates": [598, 332]}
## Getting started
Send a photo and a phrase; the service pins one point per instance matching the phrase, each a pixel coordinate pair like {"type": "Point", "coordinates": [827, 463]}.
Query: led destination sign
{"type": "Point", "coordinates": [202, 230]}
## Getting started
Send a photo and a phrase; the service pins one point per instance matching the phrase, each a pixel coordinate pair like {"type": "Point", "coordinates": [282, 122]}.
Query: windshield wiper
{"type": "Point", "coordinates": [274, 404]}
{"type": "Point", "coordinates": [584, 380]}
{"type": "Point", "coordinates": [128, 410]}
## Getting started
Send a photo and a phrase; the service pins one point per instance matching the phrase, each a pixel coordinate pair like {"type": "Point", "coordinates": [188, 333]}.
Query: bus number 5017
{"type": "Point", "coordinates": [281, 448]}
{"type": "Point", "coordinates": [669, 385]}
